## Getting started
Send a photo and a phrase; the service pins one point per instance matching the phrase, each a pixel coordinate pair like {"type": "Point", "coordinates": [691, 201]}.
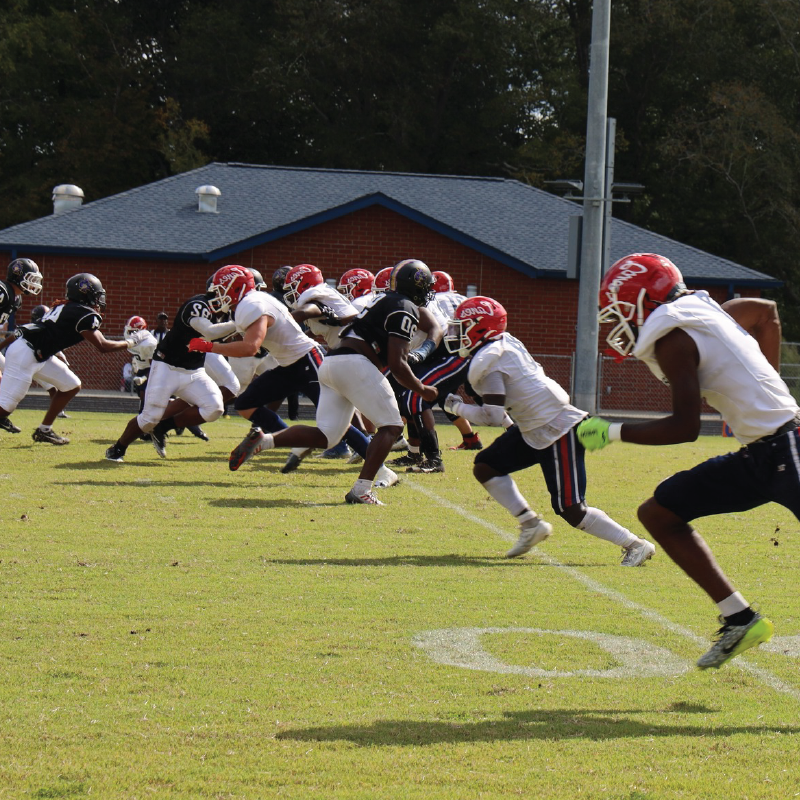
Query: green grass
{"type": "Point", "coordinates": [171, 629]}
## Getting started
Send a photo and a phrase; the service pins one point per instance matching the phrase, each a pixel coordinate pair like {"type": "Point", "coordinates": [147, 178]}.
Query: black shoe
{"type": "Point", "coordinates": [115, 453]}
{"type": "Point", "coordinates": [51, 437]}
{"type": "Point", "coordinates": [434, 465]}
{"type": "Point", "coordinates": [408, 460]}
{"type": "Point", "coordinates": [197, 431]}
{"type": "Point", "coordinates": [7, 425]}
{"type": "Point", "coordinates": [159, 442]}
{"type": "Point", "coordinates": [179, 431]}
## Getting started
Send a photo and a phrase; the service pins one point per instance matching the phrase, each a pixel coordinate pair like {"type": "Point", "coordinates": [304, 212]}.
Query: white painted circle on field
{"type": "Point", "coordinates": [461, 647]}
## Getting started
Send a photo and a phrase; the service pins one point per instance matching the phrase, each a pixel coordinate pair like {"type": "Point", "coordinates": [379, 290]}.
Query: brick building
{"type": "Point", "coordinates": [154, 246]}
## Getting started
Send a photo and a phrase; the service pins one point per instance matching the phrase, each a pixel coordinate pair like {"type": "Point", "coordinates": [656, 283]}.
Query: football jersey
{"type": "Point", "coordinates": [735, 377]}
{"type": "Point", "coordinates": [448, 302]}
{"type": "Point", "coordinates": [340, 305]}
{"type": "Point", "coordinates": [538, 404]}
{"type": "Point", "coordinates": [142, 353]}
{"type": "Point", "coordinates": [285, 340]}
{"type": "Point", "coordinates": [60, 328]}
{"type": "Point", "coordinates": [173, 349]}
{"type": "Point", "coordinates": [388, 314]}
{"type": "Point", "coordinates": [9, 301]}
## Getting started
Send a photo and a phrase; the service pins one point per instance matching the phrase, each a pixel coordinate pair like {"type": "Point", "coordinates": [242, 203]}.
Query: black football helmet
{"type": "Point", "coordinates": [37, 312]}
{"type": "Point", "coordinates": [278, 277]}
{"type": "Point", "coordinates": [25, 273]}
{"type": "Point", "coordinates": [413, 280]}
{"type": "Point", "coordinates": [261, 284]}
{"type": "Point", "coordinates": [86, 289]}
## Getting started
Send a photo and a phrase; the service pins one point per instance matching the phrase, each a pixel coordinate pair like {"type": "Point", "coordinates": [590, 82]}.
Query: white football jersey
{"type": "Point", "coordinates": [142, 353]}
{"type": "Point", "coordinates": [420, 336]}
{"type": "Point", "coordinates": [285, 339]}
{"type": "Point", "coordinates": [340, 305]}
{"type": "Point", "coordinates": [735, 377]}
{"type": "Point", "coordinates": [448, 302]}
{"type": "Point", "coordinates": [538, 404]}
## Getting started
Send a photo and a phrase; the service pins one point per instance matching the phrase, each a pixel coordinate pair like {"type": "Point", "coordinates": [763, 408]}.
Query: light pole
{"type": "Point", "coordinates": [585, 383]}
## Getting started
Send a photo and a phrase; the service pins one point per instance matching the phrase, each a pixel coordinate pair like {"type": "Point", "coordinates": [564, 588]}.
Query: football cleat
{"type": "Point", "coordinates": [530, 535]}
{"type": "Point", "coordinates": [400, 444]}
{"type": "Point", "coordinates": [367, 499]}
{"type": "Point", "coordinates": [470, 443]}
{"type": "Point", "coordinates": [62, 415]}
{"type": "Point", "coordinates": [252, 444]}
{"type": "Point", "coordinates": [408, 460]}
{"type": "Point", "coordinates": [7, 425]}
{"type": "Point", "coordinates": [51, 437]}
{"type": "Point", "coordinates": [735, 639]}
{"type": "Point", "coordinates": [385, 478]}
{"type": "Point", "coordinates": [637, 553]}
{"type": "Point", "coordinates": [294, 461]}
{"type": "Point", "coordinates": [341, 450]}
{"type": "Point", "coordinates": [115, 453]}
{"type": "Point", "coordinates": [197, 431]}
{"type": "Point", "coordinates": [426, 466]}
{"type": "Point", "coordinates": [355, 459]}
{"type": "Point", "coordinates": [159, 442]}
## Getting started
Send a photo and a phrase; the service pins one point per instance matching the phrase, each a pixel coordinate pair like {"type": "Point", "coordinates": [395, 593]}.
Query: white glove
{"type": "Point", "coordinates": [135, 338]}
{"type": "Point", "coordinates": [452, 404]}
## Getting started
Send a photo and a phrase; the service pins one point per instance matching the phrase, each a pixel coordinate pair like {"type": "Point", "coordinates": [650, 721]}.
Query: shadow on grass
{"type": "Point", "coordinates": [595, 725]}
{"type": "Point", "coordinates": [413, 560]}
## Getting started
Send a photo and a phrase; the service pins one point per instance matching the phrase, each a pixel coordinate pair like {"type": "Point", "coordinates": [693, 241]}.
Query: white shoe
{"type": "Point", "coordinates": [637, 553]}
{"type": "Point", "coordinates": [400, 444]}
{"type": "Point", "coordinates": [529, 536]}
{"type": "Point", "coordinates": [385, 478]}
{"type": "Point", "coordinates": [355, 459]}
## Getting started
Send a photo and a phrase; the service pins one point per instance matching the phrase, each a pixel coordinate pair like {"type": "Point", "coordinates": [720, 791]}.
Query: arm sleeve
{"type": "Point", "coordinates": [212, 330]}
{"type": "Point", "coordinates": [482, 415]}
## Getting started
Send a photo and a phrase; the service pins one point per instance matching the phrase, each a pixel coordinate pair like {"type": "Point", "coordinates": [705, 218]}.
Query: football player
{"type": "Point", "coordinates": [176, 372]}
{"type": "Point", "coordinates": [448, 300]}
{"type": "Point", "coordinates": [261, 320]}
{"type": "Point", "coordinates": [505, 375]}
{"type": "Point", "coordinates": [727, 355]}
{"type": "Point", "coordinates": [351, 377]}
{"type": "Point", "coordinates": [22, 277]}
{"type": "Point", "coordinates": [33, 355]}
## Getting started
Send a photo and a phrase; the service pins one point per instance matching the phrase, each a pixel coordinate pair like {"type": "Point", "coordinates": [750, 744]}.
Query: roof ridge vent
{"type": "Point", "coordinates": [207, 199]}
{"type": "Point", "coordinates": [66, 196]}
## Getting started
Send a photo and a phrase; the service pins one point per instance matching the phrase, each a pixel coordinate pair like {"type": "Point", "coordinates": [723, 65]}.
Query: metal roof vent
{"type": "Point", "coordinates": [66, 196]}
{"type": "Point", "coordinates": [207, 199]}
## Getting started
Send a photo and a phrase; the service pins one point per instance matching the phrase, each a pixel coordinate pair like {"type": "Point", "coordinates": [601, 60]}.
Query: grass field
{"type": "Point", "coordinates": [174, 630]}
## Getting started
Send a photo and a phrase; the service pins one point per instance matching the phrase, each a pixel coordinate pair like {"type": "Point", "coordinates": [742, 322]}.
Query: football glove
{"type": "Point", "coordinates": [135, 338]}
{"type": "Point", "coordinates": [593, 433]}
{"type": "Point", "coordinates": [452, 404]}
{"type": "Point", "coordinates": [199, 346]}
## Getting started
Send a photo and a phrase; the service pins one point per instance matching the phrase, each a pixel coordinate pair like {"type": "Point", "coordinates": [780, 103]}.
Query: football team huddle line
{"type": "Point", "coordinates": [395, 347]}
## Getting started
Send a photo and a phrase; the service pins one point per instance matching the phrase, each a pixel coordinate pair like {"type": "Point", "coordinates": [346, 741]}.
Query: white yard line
{"type": "Point", "coordinates": [762, 675]}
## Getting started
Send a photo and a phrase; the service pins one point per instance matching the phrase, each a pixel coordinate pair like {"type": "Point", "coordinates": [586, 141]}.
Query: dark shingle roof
{"type": "Point", "coordinates": [516, 224]}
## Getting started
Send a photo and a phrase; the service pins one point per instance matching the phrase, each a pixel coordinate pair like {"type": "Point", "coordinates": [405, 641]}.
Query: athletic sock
{"type": "Point", "coordinates": [598, 523]}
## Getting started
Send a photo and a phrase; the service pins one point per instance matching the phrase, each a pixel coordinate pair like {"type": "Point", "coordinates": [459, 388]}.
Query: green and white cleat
{"type": "Point", "coordinates": [735, 639]}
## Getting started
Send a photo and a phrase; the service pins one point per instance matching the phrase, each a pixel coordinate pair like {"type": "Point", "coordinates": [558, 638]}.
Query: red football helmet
{"type": "Point", "coordinates": [298, 279]}
{"type": "Point", "coordinates": [228, 287]}
{"type": "Point", "coordinates": [134, 324]}
{"type": "Point", "coordinates": [442, 282]}
{"type": "Point", "coordinates": [476, 321]}
{"type": "Point", "coordinates": [356, 283]}
{"type": "Point", "coordinates": [382, 280]}
{"type": "Point", "coordinates": [631, 290]}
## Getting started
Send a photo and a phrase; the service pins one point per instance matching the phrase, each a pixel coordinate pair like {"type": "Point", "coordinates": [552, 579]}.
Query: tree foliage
{"type": "Point", "coordinates": [110, 94]}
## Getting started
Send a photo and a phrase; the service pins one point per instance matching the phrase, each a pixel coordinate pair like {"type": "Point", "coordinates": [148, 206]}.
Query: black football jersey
{"type": "Point", "coordinates": [60, 328]}
{"type": "Point", "coordinates": [389, 314]}
{"type": "Point", "coordinates": [173, 348]}
{"type": "Point", "coordinates": [9, 301]}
